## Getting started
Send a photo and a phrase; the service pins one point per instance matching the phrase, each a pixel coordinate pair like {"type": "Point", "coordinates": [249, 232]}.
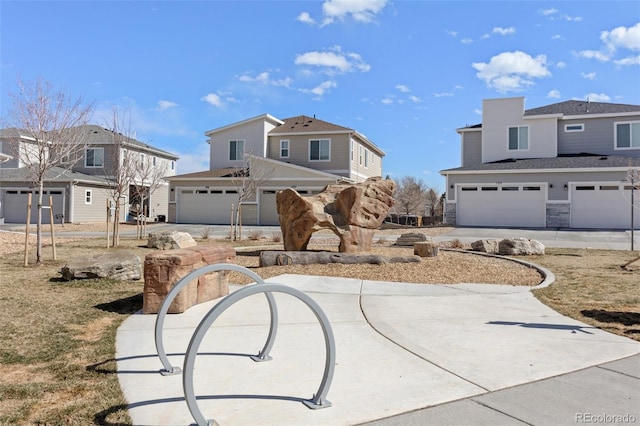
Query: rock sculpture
{"type": "Point", "coordinates": [353, 212]}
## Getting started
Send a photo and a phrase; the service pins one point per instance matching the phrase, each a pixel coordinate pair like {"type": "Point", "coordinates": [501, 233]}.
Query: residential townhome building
{"type": "Point", "coordinates": [81, 193]}
{"type": "Point", "coordinates": [251, 160]}
{"type": "Point", "coordinates": [572, 164]}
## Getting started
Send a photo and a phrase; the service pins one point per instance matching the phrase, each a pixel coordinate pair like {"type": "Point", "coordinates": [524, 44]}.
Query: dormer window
{"type": "Point", "coordinates": [628, 135]}
{"type": "Point", "coordinates": [518, 138]}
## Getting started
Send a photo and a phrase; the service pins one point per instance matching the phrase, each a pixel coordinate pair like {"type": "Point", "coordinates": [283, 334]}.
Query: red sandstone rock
{"type": "Point", "coordinates": [162, 270]}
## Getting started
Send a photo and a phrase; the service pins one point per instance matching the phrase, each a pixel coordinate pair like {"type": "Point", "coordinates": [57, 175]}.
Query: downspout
{"type": "Point", "coordinates": [72, 192]}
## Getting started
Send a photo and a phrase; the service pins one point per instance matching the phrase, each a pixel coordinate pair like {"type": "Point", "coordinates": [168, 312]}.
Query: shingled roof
{"type": "Point", "coordinates": [582, 108]}
{"type": "Point", "coordinates": [55, 174]}
{"type": "Point", "coordinates": [582, 161]}
{"type": "Point", "coordinates": [304, 124]}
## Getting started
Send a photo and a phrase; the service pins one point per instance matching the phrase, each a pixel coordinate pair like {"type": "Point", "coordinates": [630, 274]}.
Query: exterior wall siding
{"type": "Point", "coordinates": [94, 212]}
{"type": "Point", "coordinates": [299, 152]}
{"type": "Point", "coordinates": [471, 148]}
{"type": "Point", "coordinates": [253, 134]}
{"type": "Point", "coordinates": [598, 137]}
{"type": "Point", "coordinates": [500, 114]}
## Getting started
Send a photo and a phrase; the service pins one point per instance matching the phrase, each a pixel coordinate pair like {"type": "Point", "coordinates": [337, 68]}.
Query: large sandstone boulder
{"type": "Point", "coordinates": [162, 270]}
{"type": "Point", "coordinates": [118, 265]}
{"type": "Point", "coordinates": [486, 246]}
{"type": "Point", "coordinates": [352, 212]}
{"type": "Point", "coordinates": [409, 239]}
{"type": "Point", "coordinates": [168, 240]}
{"type": "Point", "coordinates": [520, 247]}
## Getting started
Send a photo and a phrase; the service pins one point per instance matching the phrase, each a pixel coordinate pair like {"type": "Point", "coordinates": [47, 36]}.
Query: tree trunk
{"type": "Point", "coordinates": [39, 226]}
{"type": "Point", "coordinates": [281, 258]}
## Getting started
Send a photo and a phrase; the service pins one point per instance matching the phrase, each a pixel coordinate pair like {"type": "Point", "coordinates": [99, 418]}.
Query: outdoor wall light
{"type": "Point", "coordinates": [550, 185]}
{"type": "Point", "coordinates": [566, 187]}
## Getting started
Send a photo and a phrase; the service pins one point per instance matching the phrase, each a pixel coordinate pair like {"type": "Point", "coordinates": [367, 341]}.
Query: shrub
{"type": "Point", "coordinates": [204, 233]}
{"type": "Point", "coordinates": [276, 237]}
{"type": "Point", "coordinates": [255, 235]}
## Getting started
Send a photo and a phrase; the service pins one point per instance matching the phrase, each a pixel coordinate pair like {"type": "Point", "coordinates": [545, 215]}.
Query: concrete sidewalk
{"type": "Point", "coordinates": [474, 353]}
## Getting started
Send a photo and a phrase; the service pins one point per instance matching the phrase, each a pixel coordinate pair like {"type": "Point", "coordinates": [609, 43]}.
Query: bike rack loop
{"type": "Point", "coordinates": [263, 355]}
{"type": "Point", "coordinates": [317, 401]}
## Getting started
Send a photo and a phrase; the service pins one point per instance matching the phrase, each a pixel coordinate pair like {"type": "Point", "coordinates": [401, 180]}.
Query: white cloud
{"type": "Point", "coordinates": [512, 71]}
{"type": "Point", "coordinates": [305, 18]}
{"type": "Point", "coordinates": [631, 60]}
{"type": "Point", "coordinates": [387, 101]}
{"type": "Point", "coordinates": [597, 97]}
{"type": "Point", "coordinates": [588, 76]}
{"type": "Point", "coordinates": [557, 37]}
{"type": "Point", "coordinates": [442, 94]}
{"type": "Point", "coordinates": [163, 105]}
{"type": "Point", "coordinates": [553, 94]}
{"type": "Point", "coordinates": [415, 99]}
{"type": "Point", "coordinates": [594, 54]}
{"type": "Point", "coordinates": [466, 40]}
{"type": "Point", "coordinates": [322, 88]}
{"type": "Point", "coordinates": [573, 18]}
{"type": "Point", "coordinates": [360, 10]}
{"type": "Point", "coordinates": [212, 99]}
{"type": "Point", "coordinates": [504, 31]}
{"type": "Point", "coordinates": [403, 88]}
{"type": "Point", "coordinates": [265, 78]}
{"type": "Point", "coordinates": [334, 60]}
{"type": "Point", "coordinates": [452, 33]}
{"type": "Point", "coordinates": [549, 12]}
{"type": "Point", "coordinates": [561, 65]}
{"type": "Point", "coordinates": [622, 37]}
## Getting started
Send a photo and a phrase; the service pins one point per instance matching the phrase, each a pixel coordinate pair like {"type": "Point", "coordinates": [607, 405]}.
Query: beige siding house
{"type": "Point", "coordinates": [82, 193]}
{"type": "Point", "coordinates": [301, 152]}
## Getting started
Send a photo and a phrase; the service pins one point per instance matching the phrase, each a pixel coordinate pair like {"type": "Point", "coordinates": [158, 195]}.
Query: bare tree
{"type": "Point", "coordinates": [411, 195]}
{"type": "Point", "coordinates": [49, 135]}
{"type": "Point", "coordinates": [147, 178]}
{"type": "Point", "coordinates": [123, 170]}
{"type": "Point", "coordinates": [247, 180]}
{"type": "Point", "coordinates": [432, 200]}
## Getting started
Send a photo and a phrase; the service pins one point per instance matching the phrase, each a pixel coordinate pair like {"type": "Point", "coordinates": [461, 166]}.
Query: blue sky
{"type": "Point", "coordinates": [404, 73]}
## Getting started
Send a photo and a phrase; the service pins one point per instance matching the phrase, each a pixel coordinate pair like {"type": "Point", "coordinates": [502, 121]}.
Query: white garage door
{"type": "Point", "coordinates": [501, 205]}
{"type": "Point", "coordinates": [15, 205]}
{"type": "Point", "coordinates": [209, 206]}
{"type": "Point", "coordinates": [605, 205]}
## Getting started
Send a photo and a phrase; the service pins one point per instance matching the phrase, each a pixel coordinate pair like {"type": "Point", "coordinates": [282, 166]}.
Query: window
{"type": "Point", "coordinates": [519, 138]}
{"type": "Point", "coordinates": [236, 148]}
{"type": "Point", "coordinates": [284, 148]}
{"type": "Point", "coordinates": [87, 196]}
{"type": "Point", "coordinates": [352, 151]}
{"type": "Point", "coordinates": [366, 157]}
{"type": "Point", "coordinates": [360, 154]}
{"type": "Point", "coordinates": [142, 160]}
{"type": "Point", "coordinates": [574, 128]}
{"type": "Point", "coordinates": [628, 135]}
{"type": "Point", "coordinates": [94, 157]}
{"type": "Point", "coordinates": [173, 165]}
{"type": "Point", "coordinates": [154, 161]}
{"type": "Point", "coordinates": [319, 149]}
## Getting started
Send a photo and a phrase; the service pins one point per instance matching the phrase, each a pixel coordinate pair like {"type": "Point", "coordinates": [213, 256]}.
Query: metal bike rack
{"type": "Point", "coordinates": [317, 401]}
{"type": "Point", "coordinates": [262, 355]}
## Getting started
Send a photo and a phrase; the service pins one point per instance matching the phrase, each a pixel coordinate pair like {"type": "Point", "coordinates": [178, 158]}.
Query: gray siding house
{"type": "Point", "coordinates": [564, 165]}
{"type": "Point", "coordinates": [81, 193]}
{"type": "Point", "coordinates": [301, 152]}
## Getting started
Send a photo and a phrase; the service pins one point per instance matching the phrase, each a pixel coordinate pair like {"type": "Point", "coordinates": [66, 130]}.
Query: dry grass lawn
{"type": "Point", "coordinates": [57, 361]}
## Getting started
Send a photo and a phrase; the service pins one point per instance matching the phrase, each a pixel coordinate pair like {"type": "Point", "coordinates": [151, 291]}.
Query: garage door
{"type": "Point", "coordinates": [501, 205]}
{"type": "Point", "coordinates": [209, 206]}
{"type": "Point", "coordinates": [605, 205]}
{"type": "Point", "coordinates": [15, 205]}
